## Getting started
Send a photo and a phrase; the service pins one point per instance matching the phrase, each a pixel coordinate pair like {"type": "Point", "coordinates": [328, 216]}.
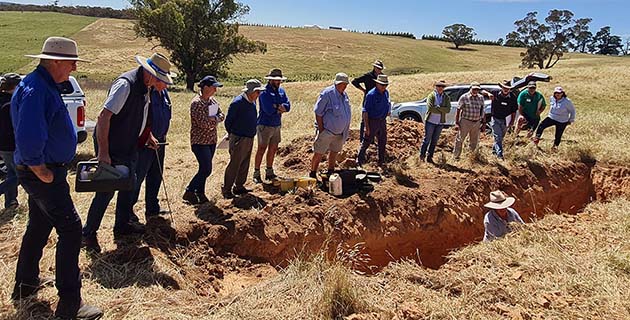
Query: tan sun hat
{"type": "Point", "coordinates": [253, 85]}
{"type": "Point", "coordinates": [275, 74]}
{"type": "Point", "coordinates": [58, 48]}
{"type": "Point", "coordinates": [382, 79]}
{"type": "Point", "coordinates": [499, 200]}
{"type": "Point", "coordinates": [379, 64]}
{"type": "Point", "coordinates": [506, 84]}
{"type": "Point", "coordinates": [341, 78]}
{"type": "Point", "coordinates": [158, 66]}
{"type": "Point", "coordinates": [441, 83]}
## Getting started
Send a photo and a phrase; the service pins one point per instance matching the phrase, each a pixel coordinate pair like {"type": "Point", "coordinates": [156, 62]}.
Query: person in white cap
{"type": "Point", "coordinates": [496, 220]}
{"type": "Point", "coordinates": [561, 114]}
{"type": "Point", "coordinates": [332, 116]}
{"type": "Point", "coordinates": [122, 128]}
{"type": "Point", "coordinates": [45, 144]}
{"type": "Point", "coordinates": [240, 123]}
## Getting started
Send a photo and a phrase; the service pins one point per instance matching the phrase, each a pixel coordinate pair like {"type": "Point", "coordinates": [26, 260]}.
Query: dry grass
{"type": "Point", "coordinates": [560, 268]}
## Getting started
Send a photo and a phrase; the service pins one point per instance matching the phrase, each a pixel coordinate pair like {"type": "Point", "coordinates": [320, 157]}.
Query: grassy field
{"type": "Point", "coordinates": [594, 267]}
{"type": "Point", "coordinates": [24, 33]}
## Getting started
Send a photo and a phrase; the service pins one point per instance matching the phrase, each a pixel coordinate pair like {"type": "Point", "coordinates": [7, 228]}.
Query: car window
{"type": "Point", "coordinates": [454, 94]}
{"type": "Point", "coordinates": [66, 87]}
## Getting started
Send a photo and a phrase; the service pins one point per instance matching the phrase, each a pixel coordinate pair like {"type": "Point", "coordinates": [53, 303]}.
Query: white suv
{"type": "Point", "coordinates": [74, 98]}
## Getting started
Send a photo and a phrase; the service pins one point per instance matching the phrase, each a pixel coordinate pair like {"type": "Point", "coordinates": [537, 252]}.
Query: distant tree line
{"type": "Point", "coordinates": [473, 41]}
{"type": "Point", "coordinates": [99, 12]}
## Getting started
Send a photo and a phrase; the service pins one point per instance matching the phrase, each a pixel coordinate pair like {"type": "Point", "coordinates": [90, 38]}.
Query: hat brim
{"type": "Point", "coordinates": [508, 202]}
{"type": "Point", "coordinates": [342, 81]}
{"type": "Point", "coordinates": [475, 87]}
{"type": "Point", "coordinates": [53, 57]}
{"type": "Point", "coordinates": [382, 82]}
{"type": "Point", "coordinates": [168, 79]}
{"type": "Point", "coordinates": [504, 86]}
{"type": "Point", "coordinates": [255, 89]}
{"type": "Point", "coordinates": [379, 67]}
{"type": "Point", "coordinates": [275, 78]}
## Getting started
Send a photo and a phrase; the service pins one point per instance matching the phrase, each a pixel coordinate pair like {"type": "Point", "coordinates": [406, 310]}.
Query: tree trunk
{"type": "Point", "coordinates": [190, 82]}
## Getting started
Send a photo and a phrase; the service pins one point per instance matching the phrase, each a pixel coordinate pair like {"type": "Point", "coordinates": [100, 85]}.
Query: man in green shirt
{"type": "Point", "coordinates": [530, 104]}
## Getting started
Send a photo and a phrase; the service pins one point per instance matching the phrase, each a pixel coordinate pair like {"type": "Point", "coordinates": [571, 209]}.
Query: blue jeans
{"type": "Point", "coordinates": [124, 205]}
{"type": "Point", "coordinates": [499, 128]}
{"type": "Point", "coordinates": [204, 154]}
{"type": "Point", "coordinates": [148, 167]}
{"type": "Point", "coordinates": [431, 136]}
{"type": "Point", "coordinates": [9, 186]}
{"type": "Point", "coordinates": [50, 206]}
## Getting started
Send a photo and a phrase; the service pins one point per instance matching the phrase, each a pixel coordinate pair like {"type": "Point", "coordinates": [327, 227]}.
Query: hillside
{"type": "Point", "coordinates": [24, 33]}
{"type": "Point", "coordinates": [303, 54]}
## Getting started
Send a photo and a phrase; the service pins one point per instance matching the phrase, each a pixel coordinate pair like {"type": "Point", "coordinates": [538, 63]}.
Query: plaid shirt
{"type": "Point", "coordinates": [471, 107]}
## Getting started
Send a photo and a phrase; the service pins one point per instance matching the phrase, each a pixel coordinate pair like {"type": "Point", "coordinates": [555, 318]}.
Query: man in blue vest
{"type": "Point", "coordinates": [122, 126]}
{"type": "Point", "coordinates": [150, 161]}
{"type": "Point", "coordinates": [45, 143]}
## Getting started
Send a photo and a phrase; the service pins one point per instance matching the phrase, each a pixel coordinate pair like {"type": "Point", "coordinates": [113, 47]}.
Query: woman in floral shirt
{"type": "Point", "coordinates": [205, 114]}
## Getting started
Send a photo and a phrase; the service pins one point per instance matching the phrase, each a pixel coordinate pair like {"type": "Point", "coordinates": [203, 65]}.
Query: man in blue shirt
{"type": "Point", "coordinates": [376, 109]}
{"type": "Point", "coordinates": [150, 164]}
{"type": "Point", "coordinates": [45, 143]}
{"type": "Point", "coordinates": [240, 123]}
{"type": "Point", "coordinates": [332, 115]}
{"type": "Point", "coordinates": [273, 102]}
{"type": "Point", "coordinates": [496, 220]}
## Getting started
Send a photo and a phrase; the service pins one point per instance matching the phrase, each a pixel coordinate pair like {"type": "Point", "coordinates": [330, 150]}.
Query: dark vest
{"type": "Point", "coordinates": [124, 127]}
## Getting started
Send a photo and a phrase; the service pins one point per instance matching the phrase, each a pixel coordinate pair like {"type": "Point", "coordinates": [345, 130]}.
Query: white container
{"type": "Point", "coordinates": [335, 185]}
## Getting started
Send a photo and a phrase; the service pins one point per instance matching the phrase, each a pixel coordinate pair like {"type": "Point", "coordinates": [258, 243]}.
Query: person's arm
{"type": "Point", "coordinates": [286, 104]}
{"type": "Point", "coordinates": [266, 104]}
{"type": "Point", "coordinates": [231, 115]}
{"type": "Point", "coordinates": [487, 235]}
{"type": "Point", "coordinates": [431, 103]}
{"type": "Point", "coordinates": [31, 134]}
{"type": "Point", "coordinates": [541, 105]}
{"type": "Point", "coordinates": [460, 104]}
{"type": "Point", "coordinates": [320, 123]}
{"type": "Point", "coordinates": [358, 81]}
{"type": "Point", "coordinates": [572, 112]}
{"type": "Point", "coordinates": [445, 108]}
{"type": "Point", "coordinates": [102, 136]}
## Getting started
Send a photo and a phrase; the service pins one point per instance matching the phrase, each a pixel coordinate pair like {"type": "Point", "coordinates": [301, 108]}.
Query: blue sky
{"type": "Point", "coordinates": [491, 19]}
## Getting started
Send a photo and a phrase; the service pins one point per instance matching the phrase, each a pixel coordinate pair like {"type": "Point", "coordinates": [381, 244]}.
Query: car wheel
{"type": "Point", "coordinates": [410, 116]}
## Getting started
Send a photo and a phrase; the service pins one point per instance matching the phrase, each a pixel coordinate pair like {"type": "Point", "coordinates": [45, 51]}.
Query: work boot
{"type": "Point", "coordinates": [190, 197]}
{"type": "Point", "coordinates": [269, 174]}
{"type": "Point", "coordinates": [23, 290]}
{"type": "Point", "coordinates": [85, 312]}
{"type": "Point", "coordinates": [257, 178]}
{"type": "Point", "coordinates": [240, 190]}
{"type": "Point", "coordinates": [201, 197]}
{"type": "Point", "coordinates": [90, 243]}
{"type": "Point", "coordinates": [227, 193]}
{"type": "Point", "coordinates": [129, 228]}
{"type": "Point", "coordinates": [430, 160]}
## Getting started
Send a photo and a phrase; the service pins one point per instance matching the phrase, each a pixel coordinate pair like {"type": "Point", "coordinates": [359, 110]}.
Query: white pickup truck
{"type": "Point", "coordinates": [74, 98]}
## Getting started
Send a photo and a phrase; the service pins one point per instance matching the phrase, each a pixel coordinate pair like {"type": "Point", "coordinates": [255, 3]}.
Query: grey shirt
{"type": "Point", "coordinates": [334, 108]}
{"type": "Point", "coordinates": [118, 94]}
{"type": "Point", "coordinates": [496, 227]}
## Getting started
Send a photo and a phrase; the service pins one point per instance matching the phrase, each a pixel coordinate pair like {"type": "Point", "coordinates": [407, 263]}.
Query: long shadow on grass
{"type": "Point", "coordinates": [128, 265]}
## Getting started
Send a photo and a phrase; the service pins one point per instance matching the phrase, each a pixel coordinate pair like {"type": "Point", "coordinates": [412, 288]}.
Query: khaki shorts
{"type": "Point", "coordinates": [327, 141]}
{"type": "Point", "coordinates": [268, 135]}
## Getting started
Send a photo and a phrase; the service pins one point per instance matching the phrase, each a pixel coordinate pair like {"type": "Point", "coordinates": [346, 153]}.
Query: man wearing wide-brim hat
{"type": "Point", "coordinates": [376, 109]}
{"type": "Point", "coordinates": [273, 103]}
{"type": "Point", "coordinates": [503, 109]}
{"type": "Point", "coordinates": [496, 220]}
{"type": "Point", "coordinates": [46, 142]}
{"type": "Point", "coordinates": [124, 126]}
{"type": "Point", "coordinates": [240, 124]}
{"type": "Point", "coordinates": [366, 83]}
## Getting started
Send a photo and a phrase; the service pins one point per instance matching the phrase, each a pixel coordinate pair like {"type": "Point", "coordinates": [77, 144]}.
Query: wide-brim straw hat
{"type": "Point", "coordinates": [499, 200]}
{"type": "Point", "coordinates": [505, 84]}
{"type": "Point", "coordinates": [441, 83]}
{"type": "Point", "coordinates": [275, 74]}
{"type": "Point", "coordinates": [158, 66]}
{"type": "Point", "coordinates": [382, 79]}
{"type": "Point", "coordinates": [341, 78]}
{"type": "Point", "coordinates": [379, 64]}
{"type": "Point", "coordinates": [58, 48]}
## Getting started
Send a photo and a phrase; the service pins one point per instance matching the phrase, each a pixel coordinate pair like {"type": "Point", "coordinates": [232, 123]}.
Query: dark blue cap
{"type": "Point", "coordinates": [209, 81]}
